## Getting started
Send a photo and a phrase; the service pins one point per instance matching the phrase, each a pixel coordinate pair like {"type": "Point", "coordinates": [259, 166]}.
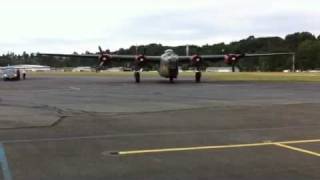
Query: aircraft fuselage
{"type": "Point", "coordinates": [169, 64]}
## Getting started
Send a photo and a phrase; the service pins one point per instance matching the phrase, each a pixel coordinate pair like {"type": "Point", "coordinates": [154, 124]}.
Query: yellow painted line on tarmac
{"type": "Point", "coordinates": [162, 150]}
{"type": "Point", "coordinates": [299, 141]}
{"type": "Point", "coordinates": [192, 148]}
{"type": "Point", "coordinates": [298, 149]}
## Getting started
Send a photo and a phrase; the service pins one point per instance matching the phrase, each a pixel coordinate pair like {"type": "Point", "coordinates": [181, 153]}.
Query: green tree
{"type": "Point", "coordinates": [304, 43]}
{"type": "Point", "coordinates": [308, 55]}
{"type": "Point", "coordinates": [293, 40]}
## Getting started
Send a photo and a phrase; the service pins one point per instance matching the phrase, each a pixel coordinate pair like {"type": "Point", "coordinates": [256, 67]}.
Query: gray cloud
{"type": "Point", "coordinates": [204, 25]}
{"type": "Point", "coordinates": [172, 24]}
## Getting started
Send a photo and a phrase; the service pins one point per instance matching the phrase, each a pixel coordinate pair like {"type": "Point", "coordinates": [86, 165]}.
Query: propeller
{"type": "Point", "coordinates": [196, 59]}
{"type": "Point", "coordinates": [100, 50]}
{"type": "Point", "coordinates": [232, 59]}
{"type": "Point", "coordinates": [104, 58]}
{"type": "Point", "coordinates": [140, 60]}
{"type": "Point", "coordinates": [137, 50]}
{"type": "Point", "coordinates": [187, 50]}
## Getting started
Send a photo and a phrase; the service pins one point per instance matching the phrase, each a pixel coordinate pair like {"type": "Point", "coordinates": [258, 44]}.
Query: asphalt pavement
{"type": "Point", "coordinates": [113, 128]}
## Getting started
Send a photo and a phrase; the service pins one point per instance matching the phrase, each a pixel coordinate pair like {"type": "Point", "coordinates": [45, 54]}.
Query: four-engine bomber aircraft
{"type": "Point", "coordinates": [169, 61]}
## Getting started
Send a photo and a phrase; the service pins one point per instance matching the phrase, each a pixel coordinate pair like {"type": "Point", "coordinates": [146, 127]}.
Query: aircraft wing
{"type": "Point", "coordinates": [268, 54]}
{"type": "Point", "coordinates": [112, 56]}
{"type": "Point", "coordinates": [70, 55]}
{"type": "Point", "coordinates": [204, 57]}
{"type": "Point", "coordinates": [133, 57]}
{"type": "Point", "coordinates": [220, 57]}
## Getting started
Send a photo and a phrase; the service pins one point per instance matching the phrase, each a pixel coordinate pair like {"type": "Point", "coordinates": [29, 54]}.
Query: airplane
{"type": "Point", "coordinates": [169, 61]}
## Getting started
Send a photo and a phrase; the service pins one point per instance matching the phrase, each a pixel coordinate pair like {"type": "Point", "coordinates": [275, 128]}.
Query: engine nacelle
{"type": "Point", "coordinates": [140, 61]}
{"type": "Point", "coordinates": [232, 58]}
{"type": "Point", "coordinates": [196, 60]}
{"type": "Point", "coordinates": [104, 59]}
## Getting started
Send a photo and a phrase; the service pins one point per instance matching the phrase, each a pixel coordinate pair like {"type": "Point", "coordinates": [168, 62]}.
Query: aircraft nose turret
{"type": "Point", "coordinates": [168, 51]}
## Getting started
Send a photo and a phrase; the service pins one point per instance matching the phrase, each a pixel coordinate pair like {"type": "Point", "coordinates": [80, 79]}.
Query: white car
{"type": "Point", "coordinates": [10, 74]}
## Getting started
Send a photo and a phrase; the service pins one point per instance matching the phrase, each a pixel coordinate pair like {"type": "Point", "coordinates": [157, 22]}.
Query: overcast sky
{"type": "Point", "coordinates": [64, 26]}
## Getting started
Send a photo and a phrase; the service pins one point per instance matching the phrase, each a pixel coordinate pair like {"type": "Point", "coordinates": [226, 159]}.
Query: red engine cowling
{"type": "Point", "coordinates": [140, 61]}
{"type": "Point", "coordinates": [231, 58]}
{"type": "Point", "coordinates": [104, 59]}
{"type": "Point", "coordinates": [196, 60]}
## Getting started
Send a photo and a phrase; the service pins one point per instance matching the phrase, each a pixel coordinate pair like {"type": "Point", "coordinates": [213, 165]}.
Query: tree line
{"type": "Point", "coordinates": [304, 44]}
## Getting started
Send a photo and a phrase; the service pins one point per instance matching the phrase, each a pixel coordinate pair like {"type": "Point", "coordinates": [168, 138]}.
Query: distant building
{"type": "Point", "coordinates": [82, 69]}
{"type": "Point", "coordinates": [314, 71]}
{"type": "Point", "coordinates": [221, 69]}
{"type": "Point", "coordinates": [114, 69]}
{"type": "Point", "coordinates": [32, 68]}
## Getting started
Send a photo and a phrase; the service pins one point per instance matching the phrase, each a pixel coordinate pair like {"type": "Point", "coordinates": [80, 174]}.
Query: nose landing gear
{"type": "Point", "coordinates": [198, 77]}
{"type": "Point", "coordinates": [171, 79]}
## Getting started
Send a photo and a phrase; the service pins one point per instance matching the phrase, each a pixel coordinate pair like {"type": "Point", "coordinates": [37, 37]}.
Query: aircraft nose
{"type": "Point", "coordinates": [172, 63]}
{"type": "Point", "coordinates": [172, 60]}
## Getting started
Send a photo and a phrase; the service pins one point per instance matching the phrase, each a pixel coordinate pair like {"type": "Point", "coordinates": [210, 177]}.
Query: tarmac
{"type": "Point", "coordinates": [112, 128]}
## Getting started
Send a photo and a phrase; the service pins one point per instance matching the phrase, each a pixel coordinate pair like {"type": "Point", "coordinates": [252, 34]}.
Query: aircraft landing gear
{"type": "Point", "coordinates": [171, 79]}
{"type": "Point", "coordinates": [198, 77]}
{"type": "Point", "coordinates": [137, 77]}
